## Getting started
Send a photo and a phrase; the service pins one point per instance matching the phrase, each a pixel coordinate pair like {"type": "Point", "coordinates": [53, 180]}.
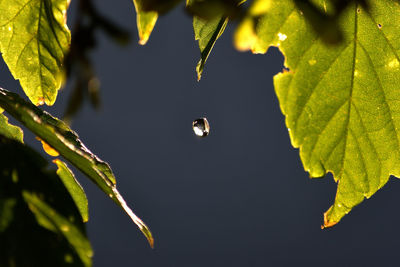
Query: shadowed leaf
{"type": "Point", "coordinates": [60, 137]}
{"type": "Point", "coordinates": [40, 224]}
{"type": "Point", "coordinates": [53, 221]}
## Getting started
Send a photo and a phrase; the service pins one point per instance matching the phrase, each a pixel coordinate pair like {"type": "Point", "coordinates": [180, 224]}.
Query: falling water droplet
{"type": "Point", "coordinates": [201, 127]}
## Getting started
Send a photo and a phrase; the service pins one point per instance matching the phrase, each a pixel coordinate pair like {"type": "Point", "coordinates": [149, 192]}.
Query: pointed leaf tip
{"type": "Point", "coordinates": [119, 200]}
{"type": "Point", "coordinates": [340, 101]}
{"type": "Point", "coordinates": [146, 20]}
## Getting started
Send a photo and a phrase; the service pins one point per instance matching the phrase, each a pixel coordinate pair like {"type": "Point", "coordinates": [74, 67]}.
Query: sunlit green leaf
{"type": "Point", "coordinates": [207, 33]}
{"type": "Point", "coordinates": [146, 20]}
{"type": "Point", "coordinates": [61, 138]}
{"type": "Point", "coordinates": [40, 224]}
{"type": "Point", "coordinates": [34, 38]}
{"type": "Point", "coordinates": [341, 102]}
{"type": "Point", "coordinates": [74, 188]}
{"type": "Point", "coordinates": [9, 130]}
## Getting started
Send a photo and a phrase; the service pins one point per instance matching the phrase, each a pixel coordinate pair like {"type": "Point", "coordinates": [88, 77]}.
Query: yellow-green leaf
{"type": "Point", "coordinates": [66, 142]}
{"type": "Point", "coordinates": [9, 130]}
{"type": "Point", "coordinates": [341, 102]}
{"type": "Point", "coordinates": [207, 33]}
{"type": "Point", "coordinates": [74, 188]}
{"type": "Point", "coordinates": [146, 20]}
{"type": "Point", "coordinates": [34, 39]}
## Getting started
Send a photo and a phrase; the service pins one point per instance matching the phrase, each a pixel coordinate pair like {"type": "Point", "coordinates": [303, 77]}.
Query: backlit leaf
{"type": "Point", "coordinates": [146, 20]}
{"type": "Point", "coordinates": [74, 188]}
{"type": "Point", "coordinates": [9, 130]}
{"type": "Point", "coordinates": [61, 138]}
{"type": "Point", "coordinates": [207, 33]}
{"type": "Point", "coordinates": [341, 102]}
{"type": "Point", "coordinates": [34, 39]}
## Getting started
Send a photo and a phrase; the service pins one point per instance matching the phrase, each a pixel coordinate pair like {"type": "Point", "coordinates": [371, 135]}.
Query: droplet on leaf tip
{"type": "Point", "coordinates": [282, 37]}
{"type": "Point", "coordinates": [40, 101]}
{"type": "Point", "coordinates": [201, 127]}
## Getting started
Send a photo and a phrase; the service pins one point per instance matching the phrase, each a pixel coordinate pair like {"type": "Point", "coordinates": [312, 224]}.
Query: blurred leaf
{"type": "Point", "coordinates": [54, 234]}
{"type": "Point", "coordinates": [74, 188]}
{"type": "Point", "coordinates": [159, 6]}
{"type": "Point", "coordinates": [145, 21]}
{"type": "Point", "coordinates": [213, 9]}
{"type": "Point", "coordinates": [340, 102]}
{"type": "Point", "coordinates": [324, 24]}
{"type": "Point", "coordinates": [34, 39]}
{"type": "Point", "coordinates": [44, 213]}
{"type": "Point", "coordinates": [207, 33]}
{"type": "Point", "coordinates": [59, 136]}
{"type": "Point", "coordinates": [6, 212]}
{"type": "Point", "coordinates": [117, 33]}
{"type": "Point", "coordinates": [9, 130]}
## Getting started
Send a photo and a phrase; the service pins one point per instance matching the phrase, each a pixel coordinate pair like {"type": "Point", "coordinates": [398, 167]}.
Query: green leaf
{"type": "Point", "coordinates": [34, 39]}
{"type": "Point", "coordinates": [40, 224]}
{"type": "Point", "coordinates": [340, 102]}
{"type": "Point", "coordinates": [62, 139]}
{"type": "Point", "coordinates": [207, 33]}
{"type": "Point", "coordinates": [74, 188]}
{"type": "Point", "coordinates": [146, 20]}
{"type": "Point", "coordinates": [7, 212]}
{"type": "Point", "coordinates": [9, 130]}
{"type": "Point", "coordinates": [209, 22]}
{"type": "Point", "coordinates": [46, 216]}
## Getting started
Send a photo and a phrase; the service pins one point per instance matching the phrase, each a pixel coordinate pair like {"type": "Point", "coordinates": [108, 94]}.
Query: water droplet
{"type": "Point", "coordinates": [9, 28]}
{"type": "Point", "coordinates": [379, 25]}
{"type": "Point", "coordinates": [201, 127]}
{"type": "Point", "coordinates": [282, 37]}
{"type": "Point", "coordinates": [40, 101]}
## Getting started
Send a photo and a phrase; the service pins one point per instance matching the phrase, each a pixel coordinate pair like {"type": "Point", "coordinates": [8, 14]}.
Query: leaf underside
{"type": "Point", "coordinates": [146, 20]}
{"type": "Point", "coordinates": [341, 102]}
{"type": "Point", "coordinates": [40, 224]}
{"type": "Point", "coordinates": [34, 39]}
{"type": "Point", "coordinates": [61, 138]}
{"type": "Point", "coordinates": [207, 33]}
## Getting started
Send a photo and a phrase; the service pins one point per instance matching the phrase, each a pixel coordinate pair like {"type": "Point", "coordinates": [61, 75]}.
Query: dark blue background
{"type": "Point", "coordinates": [239, 197]}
